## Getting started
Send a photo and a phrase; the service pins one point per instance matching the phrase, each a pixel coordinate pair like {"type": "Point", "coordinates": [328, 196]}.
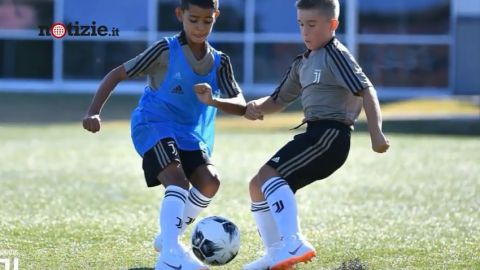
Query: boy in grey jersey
{"type": "Point", "coordinates": [332, 88]}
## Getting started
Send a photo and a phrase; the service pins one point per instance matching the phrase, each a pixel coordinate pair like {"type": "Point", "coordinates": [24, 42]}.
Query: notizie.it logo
{"type": "Point", "coordinates": [59, 30]}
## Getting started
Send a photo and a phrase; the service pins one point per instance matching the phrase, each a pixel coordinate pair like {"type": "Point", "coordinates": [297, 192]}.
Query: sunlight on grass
{"type": "Point", "coordinates": [74, 200]}
{"type": "Point", "coordinates": [429, 106]}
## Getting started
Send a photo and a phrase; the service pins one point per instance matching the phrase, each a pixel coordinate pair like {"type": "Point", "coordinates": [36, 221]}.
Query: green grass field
{"type": "Point", "coordinates": [74, 200]}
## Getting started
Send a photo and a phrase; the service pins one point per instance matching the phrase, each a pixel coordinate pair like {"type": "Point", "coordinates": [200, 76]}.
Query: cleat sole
{"type": "Point", "coordinates": [289, 263]}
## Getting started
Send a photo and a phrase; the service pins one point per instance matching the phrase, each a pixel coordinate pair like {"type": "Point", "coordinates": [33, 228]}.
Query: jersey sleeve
{"type": "Point", "coordinates": [346, 70]}
{"type": "Point", "coordinates": [290, 87]}
{"type": "Point", "coordinates": [145, 62]}
{"type": "Point", "coordinates": [226, 79]}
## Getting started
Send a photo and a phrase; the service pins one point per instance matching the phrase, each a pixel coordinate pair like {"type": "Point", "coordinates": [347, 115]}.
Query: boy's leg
{"type": "Point", "coordinates": [283, 208]}
{"type": "Point", "coordinates": [308, 157]}
{"type": "Point", "coordinates": [161, 165]}
{"type": "Point", "coordinates": [266, 226]}
{"type": "Point", "coordinates": [281, 200]}
{"type": "Point", "coordinates": [205, 183]}
{"type": "Point", "coordinates": [204, 179]}
{"type": "Point", "coordinates": [173, 205]}
{"type": "Point", "coordinates": [163, 162]}
{"type": "Point", "coordinates": [173, 254]}
{"type": "Point", "coordinates": [269, 185]}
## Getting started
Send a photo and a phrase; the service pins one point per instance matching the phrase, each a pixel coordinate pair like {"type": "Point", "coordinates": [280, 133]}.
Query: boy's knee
{"type": "Point", "coordinates": [210, 187]}
{"type": "Point", "coordinates": [255, 189]}
{"type": "Point", "coordinates": [207, 181]}
{"type": "Point", "coordinates": [255, 186]}
{"type": "Point", "coordinates": [253, 182]}
{"type": "Point", "coordinates": [173, 175]}
{"type": "Point", "coordinates": [214, 182]}
{"type": "Point", "coordinates": [265, 173]}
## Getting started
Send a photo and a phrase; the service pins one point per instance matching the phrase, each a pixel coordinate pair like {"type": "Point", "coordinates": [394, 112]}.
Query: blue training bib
{"type": "Point", "coordinates": [174, 110]}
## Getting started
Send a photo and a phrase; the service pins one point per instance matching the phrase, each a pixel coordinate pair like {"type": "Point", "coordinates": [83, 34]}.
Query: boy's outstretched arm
{"type": "Point", "coordinates": [235, 105]}
{"type": "Point", "coordinates": [380, 143]}
{"type": "Point", "coordinates": [92, 121]}
{"type": "Point", "coordinates": [256, 109]}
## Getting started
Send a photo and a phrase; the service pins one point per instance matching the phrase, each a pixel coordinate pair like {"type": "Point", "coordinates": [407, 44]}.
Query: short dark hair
{"type": "Point", "coordinates": [185, 4]}
{"type": "Point", "coordinates": [330, 8]}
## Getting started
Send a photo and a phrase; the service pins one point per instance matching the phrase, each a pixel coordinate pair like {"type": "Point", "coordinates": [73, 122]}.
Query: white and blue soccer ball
{"type": "Point", "coordinates": [215, 240]}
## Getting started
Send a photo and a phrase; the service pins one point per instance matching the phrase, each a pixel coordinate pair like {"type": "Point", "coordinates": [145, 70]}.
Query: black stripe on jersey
{"type": "Point", "coordinates": [274, 95]}
{"type": "Point", "coordinates": [341, 69]}
{"type": "Point", "coordinates": [345, 62]}
{"type": "Point", "coordinates": [226, 79]}
{"type": "Point", "coordinates": [171, 193]}
{"type": "Point", "coordinates": [148, 58]}
{"type": "Point", "coordinates": [346, 71]}
{"type": "Point", "coordinates": [182, 39]}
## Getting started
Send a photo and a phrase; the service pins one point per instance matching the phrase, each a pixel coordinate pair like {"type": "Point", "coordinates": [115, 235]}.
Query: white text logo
{"type": "Point", "coordinates": [317, 73]}
{"type": "Point", "coordinates": [7, 262]}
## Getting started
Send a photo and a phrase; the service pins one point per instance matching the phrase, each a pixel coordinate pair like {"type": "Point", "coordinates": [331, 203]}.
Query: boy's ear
{"type": "Point", "coordinates": [334, 24]}
{"type": "Point", "coordinates": [217, 13]}
{"type": "Point", "coordinates": [179, 14]}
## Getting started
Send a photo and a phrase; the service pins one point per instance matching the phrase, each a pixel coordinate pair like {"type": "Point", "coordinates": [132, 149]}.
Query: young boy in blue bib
{"type": "Point", "coordinates": [173, 126]}
{"type": "Point", "coordinates": [333, 89]}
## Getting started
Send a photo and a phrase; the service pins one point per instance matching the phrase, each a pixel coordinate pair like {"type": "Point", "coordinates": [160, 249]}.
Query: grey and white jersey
{"type": "Point", "coordinates": [328, 80]}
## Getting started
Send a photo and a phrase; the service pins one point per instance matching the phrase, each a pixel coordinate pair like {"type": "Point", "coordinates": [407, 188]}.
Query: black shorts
{"type": "Point", "coordinates": [164, 153]}
{"type": "Point", "coordinates": [313, 155]}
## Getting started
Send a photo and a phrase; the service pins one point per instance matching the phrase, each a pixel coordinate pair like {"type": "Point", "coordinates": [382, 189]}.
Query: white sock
{"type": "Point", "coordinates": [267, 228]}
{"type": "Point", "coordinates": [171, 211]}
{"type": "Point", "coordinates": [195, 204]}
{"type": "Point", "coordinates": [283, 205]}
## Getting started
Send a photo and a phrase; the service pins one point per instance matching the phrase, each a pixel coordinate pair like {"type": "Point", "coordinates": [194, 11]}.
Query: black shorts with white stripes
{"type": "Point", "coordinates": [313, 155]}
{"type": "Point", "coordinates": [164, 153]}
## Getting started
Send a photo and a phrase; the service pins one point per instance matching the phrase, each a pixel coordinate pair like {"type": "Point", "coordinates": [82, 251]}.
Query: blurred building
{"type": "Point", "coordinates": [407, 47]}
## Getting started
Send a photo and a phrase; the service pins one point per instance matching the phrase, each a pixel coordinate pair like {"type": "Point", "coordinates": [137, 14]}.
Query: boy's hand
{"type": "Point", "coordinates": [253, 112]}
{"type": "Point", "coordinates": [204, 93]}
{"type": "Point", "coordinates": [92, 123]}
{"type": "Point", "coordinates": [380, 143]}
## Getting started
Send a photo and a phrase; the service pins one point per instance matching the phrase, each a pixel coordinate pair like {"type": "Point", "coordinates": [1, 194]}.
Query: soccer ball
{"type": "Point", "coordinates": [215, 240]}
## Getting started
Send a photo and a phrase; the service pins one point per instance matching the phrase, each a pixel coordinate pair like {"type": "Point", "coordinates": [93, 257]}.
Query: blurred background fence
{"type": "Point", "coordinates": [409, 48]}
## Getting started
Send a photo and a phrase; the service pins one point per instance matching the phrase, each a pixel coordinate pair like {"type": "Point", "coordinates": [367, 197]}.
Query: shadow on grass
{"type": "Point", "coordinates": [354, 264]}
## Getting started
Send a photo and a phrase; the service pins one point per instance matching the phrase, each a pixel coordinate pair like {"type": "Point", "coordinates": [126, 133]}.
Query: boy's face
{"type": "Point", "coordinates": [197, 22]}
{"type": "Point", "coordinates": [315, 28]}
